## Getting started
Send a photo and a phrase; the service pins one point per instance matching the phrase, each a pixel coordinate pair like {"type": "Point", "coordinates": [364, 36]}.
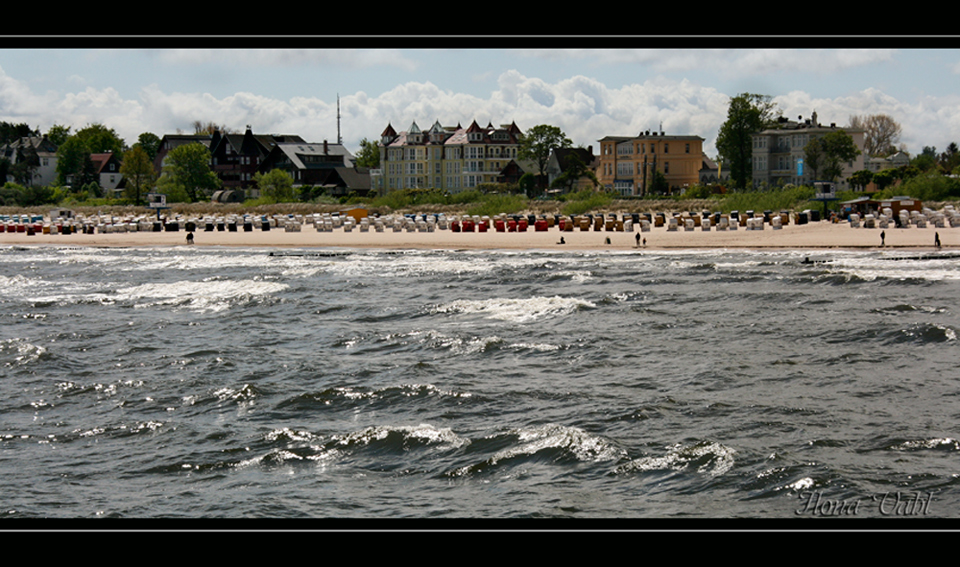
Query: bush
{"type": "Point", "coordinates": [496, 204]}
{"type": "Point", "coordinates": [584, 201]}
{"type": "Point", "coordinates": [793, 198]}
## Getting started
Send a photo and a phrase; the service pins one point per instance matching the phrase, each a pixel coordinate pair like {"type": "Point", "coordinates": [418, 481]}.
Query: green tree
{"type": "Point", "coordinates": [885, 178]}
{"type": "Point", "coordinates": [659, 183]}
{"type": "Point", "coordinates": [137, 169]}
{"type": "Point", "coordinates": [73, 163]}
{"type": "Point", "coordinates": [574, 170]}
{"type": "Point", "coordinates": [527, 183]}
{"type": "Point", "coordinates": [150, 143]}
{"type": "Point", "coordinates": [537, 143]}
{"type": "Point", "coordinates": [861, 178]}
{"type": "Point", "coordinates": [10, 132]}
{"type": "Point", "coordinates": [188, 167]}
{"type": "Point", "coordinates": [100, 139]}
{"type": "Point", "coordinates": [747, 114]}
{"type": "Point", "coordinates": [825, 155]}
{"type": "Point", "coordinates": [58, 134]}
{"type": "Point", "coordinates": [276, 186]}
{"type": "Point", "coordinates": [368, 155]}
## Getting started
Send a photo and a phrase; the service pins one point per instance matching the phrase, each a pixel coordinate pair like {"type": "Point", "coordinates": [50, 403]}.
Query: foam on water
{"type": "Point", "coordinates": [517, 310]}
{"type": "Point", "coordinates": [215, 295]}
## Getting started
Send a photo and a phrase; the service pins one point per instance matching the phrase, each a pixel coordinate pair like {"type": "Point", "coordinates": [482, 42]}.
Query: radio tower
{"type": "Point", "coordinates": [339, 139]}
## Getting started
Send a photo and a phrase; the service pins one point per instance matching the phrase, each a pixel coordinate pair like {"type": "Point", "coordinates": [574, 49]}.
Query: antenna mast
{"type": "Point", "coordinates": [339, 139]}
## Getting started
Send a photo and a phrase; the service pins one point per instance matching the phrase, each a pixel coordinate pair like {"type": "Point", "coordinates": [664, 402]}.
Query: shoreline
{"type": "Point", "coordinates": [811, 236]}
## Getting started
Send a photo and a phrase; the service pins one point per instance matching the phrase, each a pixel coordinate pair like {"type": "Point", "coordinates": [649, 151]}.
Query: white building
{"type": "Point", "coordinates": [38, 149]}
{"type": "Point", "coordinates": [778, 153]}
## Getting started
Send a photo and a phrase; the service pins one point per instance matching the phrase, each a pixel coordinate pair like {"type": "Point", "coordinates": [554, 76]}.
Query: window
{"type": "Point", "coordinates": [666, 148]}
{"type": "Point", "coordinates": [688, 148]}
{"type": "Point", "coordinates": [666, 167]}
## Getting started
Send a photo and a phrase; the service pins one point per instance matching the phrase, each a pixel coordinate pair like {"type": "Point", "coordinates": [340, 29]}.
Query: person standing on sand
{"type": "Point", "coordinates": [638, 239]}
{"type": "Point", "coordinates": [883, 237]}
{"type": "Point", "coordinates": [936, 239]}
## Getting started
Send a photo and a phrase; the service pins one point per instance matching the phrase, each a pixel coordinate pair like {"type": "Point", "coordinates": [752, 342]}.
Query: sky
{"type": "Point", "coordinates": [589, 92]}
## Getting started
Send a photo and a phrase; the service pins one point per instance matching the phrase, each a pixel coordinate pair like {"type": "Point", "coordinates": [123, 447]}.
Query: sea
{"type": "Point", "coordinates": [186, 383]}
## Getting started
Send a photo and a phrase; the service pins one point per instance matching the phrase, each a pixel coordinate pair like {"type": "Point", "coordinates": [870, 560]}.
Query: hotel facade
{"type": "Point", "coordinates": [778, 153]}
{"type": "Point", "coordinates": [452, 159]}
{"type": "Point", "coordinates": [626, 165]}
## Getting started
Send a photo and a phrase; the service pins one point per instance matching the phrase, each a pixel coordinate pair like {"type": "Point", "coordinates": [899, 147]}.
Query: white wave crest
{"type": "Point", "coordinates": [213, 295]}
{"type": "Point", "coordinates": [517, 310]}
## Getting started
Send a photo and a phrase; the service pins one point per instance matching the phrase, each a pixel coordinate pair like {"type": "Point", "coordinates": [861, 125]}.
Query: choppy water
{"type": "Point", "coordinates": [195, 382]}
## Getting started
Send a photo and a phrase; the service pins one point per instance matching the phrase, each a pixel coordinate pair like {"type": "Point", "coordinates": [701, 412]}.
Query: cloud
{"type": "Point", "coordinates": [264, 58]}
{"type": "Point", "coordinates": [738, 62]}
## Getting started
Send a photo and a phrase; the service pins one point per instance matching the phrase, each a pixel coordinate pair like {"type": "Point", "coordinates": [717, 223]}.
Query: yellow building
{"type": "Point", "coordinates": [453, 159]}
{"type": "Point", "coordinates": [626, 164]}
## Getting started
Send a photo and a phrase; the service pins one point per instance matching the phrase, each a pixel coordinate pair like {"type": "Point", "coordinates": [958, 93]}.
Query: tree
{"type": "Point", "coordinates": [189, 167]}
{"type": "Point", "coordinates": [927, 159]}
{"type": "Point", "coordinates": [885, 178]}
{"type": "Point", "coordinates": [537, 144]}
{"type": "Point", "coordinates": [861, 178]}
{"type": "Point", "coordinates": [826, 154]}
{"type": "Point", "coordinates": [209, 128]}
{"type": "Point", "coordinates": [10, 132]}
{"type": "Point", "coordinates": [573, 171]}
{"type": "Point", "coordinates": [100, 139]}
{"type": "Point", "coordinates": [276, 186]}
{"type": "Point", "coordinates": [881, 133]}
{"type": "Point", "coordinates": [747, 114]}
{"type": "Point", "coordinates": [73, 163]}
{"type": "Point", "coordinates": [368, 155]}
{"type": "Point", "coordinates": [137, 168]}
{"type": "Point", "coordinates": [58, 134]}
{"type": "Point", "coordinates": [150, 143]}
{"type": "Point", "coordinates": [949, 159]}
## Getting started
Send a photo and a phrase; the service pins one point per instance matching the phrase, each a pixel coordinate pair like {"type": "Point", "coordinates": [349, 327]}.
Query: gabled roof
{"type": "Point", "coordinates": [101, 160]}
{"type": "Point", "coordinates": [297, 152]}
{"type": "Point", "coordinates": [561, 155]}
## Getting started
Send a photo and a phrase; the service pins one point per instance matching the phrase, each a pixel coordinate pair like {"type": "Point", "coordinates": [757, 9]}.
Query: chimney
{"type": "Point", "coordinates": [325, 151]}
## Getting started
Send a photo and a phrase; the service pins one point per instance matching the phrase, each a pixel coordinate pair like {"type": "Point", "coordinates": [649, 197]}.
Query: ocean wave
{"type": "Point", "coordinates": [214, 295]}
{"type": "Point", "coordinates": [549, 443]}
{"type": "Point", "coordinates": [709, 458]}
{"type": "Point", "coordinates": [517, 310]}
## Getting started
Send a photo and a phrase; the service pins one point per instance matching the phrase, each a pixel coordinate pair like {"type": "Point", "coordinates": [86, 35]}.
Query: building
{"type": "Point", "coordinates": [627, 164]}
{"type": "Point", "coordinates": [236, 158]}
{"type": "Point", "coordinates": [451, 159]}
{"type": "Point", "coordinates": [710, 172]}
{"type": "Point", "coordinates": [171, 141]}
{"type": "Point", "coordinates": [319, 165]}
{"type": "Point", "coordinates": [37, 151]}
{"type": "Point", "coordinates": [108, 173]}
{"type": "Point", "coordinates": [559, 162]}
{"type": "Point", "coordinates": [875, 164]}
{"type": "Point", "coordinates": [778, 153]}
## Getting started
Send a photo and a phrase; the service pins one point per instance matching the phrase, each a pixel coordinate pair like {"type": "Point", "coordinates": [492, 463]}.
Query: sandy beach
{"type": "Point", "coordinates": [815, 235]}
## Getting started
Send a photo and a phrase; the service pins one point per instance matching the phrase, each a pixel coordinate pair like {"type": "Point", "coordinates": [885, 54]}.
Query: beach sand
{"type": "Point", "coordinates": [815, 235]}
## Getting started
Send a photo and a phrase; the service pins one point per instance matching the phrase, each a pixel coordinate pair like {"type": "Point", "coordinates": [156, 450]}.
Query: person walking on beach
{"type": "Point", "coordinates": [189, 238]}
{"type": "Point", "coordinates": [883, 237]}
{"type": "Point", "coordinates": [936, 239]}
{"type": "Point", "coordinates": [638, 239]}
